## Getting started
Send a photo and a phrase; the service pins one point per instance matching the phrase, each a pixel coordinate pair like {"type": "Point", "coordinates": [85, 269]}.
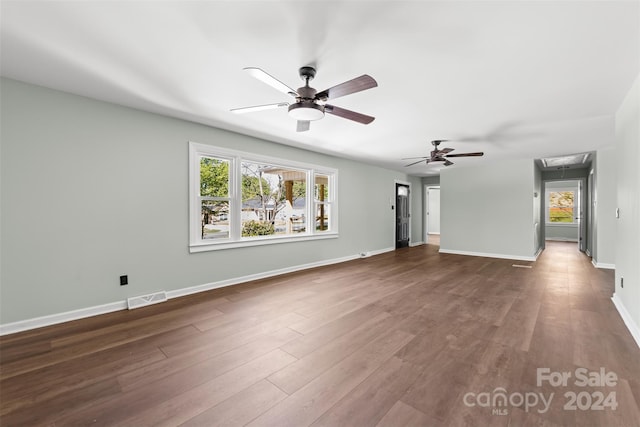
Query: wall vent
{"type": "Point", "coordinates": [144, 300]}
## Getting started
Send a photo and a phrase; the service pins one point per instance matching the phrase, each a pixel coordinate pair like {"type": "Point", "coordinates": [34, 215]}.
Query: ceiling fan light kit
{"type": "Point", "coordinates": [306, 111]}
{"type": "Point", "coordinates": [309, 104]}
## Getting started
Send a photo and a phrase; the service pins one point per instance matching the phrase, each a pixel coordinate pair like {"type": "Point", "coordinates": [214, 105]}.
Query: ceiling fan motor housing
{"type": "Point", "coordinates": [307, 73]}
{"type": "Point", "coordinates": [305, 108]}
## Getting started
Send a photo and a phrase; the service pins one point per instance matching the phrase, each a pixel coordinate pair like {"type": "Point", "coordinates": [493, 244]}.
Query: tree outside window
{"type": "Point", "coordinates": [561, 206]}
{"type": "Point", "coordinates": [273, 200]}
{"type": "Point", "coordinates": [214, 198]}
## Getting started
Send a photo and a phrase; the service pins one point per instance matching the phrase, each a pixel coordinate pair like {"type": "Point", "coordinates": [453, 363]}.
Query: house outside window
{"type": "Point", "coordinates": [242, 199]}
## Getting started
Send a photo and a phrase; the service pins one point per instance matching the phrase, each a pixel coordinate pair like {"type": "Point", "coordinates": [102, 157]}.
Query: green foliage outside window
{"type": "Point", "coordinates": [561, 205]}
{"type": "Point", "coordinates": [257, 228]}
{"type": "Point", "coordinates": [214, 177]}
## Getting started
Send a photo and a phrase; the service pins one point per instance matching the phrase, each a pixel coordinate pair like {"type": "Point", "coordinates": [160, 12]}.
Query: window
{"type": "Point", "coordinates": [273, 200]}
{"type": "Point", "coordinates": [322, 202]}
{"type": "Point", "coordinates": [241, 199]}
{"type": "Point", "coordinates": [560, 207]}
{"type": "Point", "coordinates": [214, 198]}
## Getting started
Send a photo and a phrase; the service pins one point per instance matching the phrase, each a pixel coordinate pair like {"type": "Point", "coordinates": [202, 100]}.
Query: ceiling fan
{"type": "Point", "coordinates": [309, 104]}
{"type": "Point", "coordinates": [443, 155]}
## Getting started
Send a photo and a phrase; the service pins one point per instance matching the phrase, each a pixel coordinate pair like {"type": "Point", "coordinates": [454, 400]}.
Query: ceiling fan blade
{"type": "Point", "coordinates": [348, 114]}
{"type": "Point", "coordinates": [259, 108]}
{"type": "Point", "coordinates": [445, 150]}
{"type": "Point", "coordinates": [414, 163]}
{"type": "Point", "coordinates": [448, 163]}
{"type": "Point", "coordinates": [358, 84]}
{"type": "Point", "coordinates": [303, 125]}
{"type": "Point", "coordinates": [267, 78]}
{"type": "Point", "coordinates": [412, 158]}
{"type": "Point", "coordinates": [478, 154]}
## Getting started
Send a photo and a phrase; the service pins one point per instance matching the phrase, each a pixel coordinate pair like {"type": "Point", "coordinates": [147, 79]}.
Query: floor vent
{"type": "Point", "coordinates": [144, 300]}
{"type": "Point", "coordinates": [521, 266]}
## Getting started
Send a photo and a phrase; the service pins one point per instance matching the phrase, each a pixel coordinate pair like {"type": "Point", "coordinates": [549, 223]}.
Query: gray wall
{"type": "Point", "coordinates": [431, 180]}
{"type": "Point", "coordinates": [628, 200]}
{"type": "Point", "coordinates": [606, 196]}
{"type": "Point", "coordinates": [567, 233]}
{"type": "Point", "coordinates": [92, 190]}
{"type": "Point", "coordinates": [538, 203]}
{"type": "Point", "coordinates": [488, 209]}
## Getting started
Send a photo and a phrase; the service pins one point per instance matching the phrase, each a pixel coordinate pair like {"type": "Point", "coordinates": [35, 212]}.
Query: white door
{"type": "Point", "coordinates": [433, 210]}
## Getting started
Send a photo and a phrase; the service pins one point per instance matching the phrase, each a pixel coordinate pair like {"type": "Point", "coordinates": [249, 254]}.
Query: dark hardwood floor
{"type": "Point", "coordinates": [407, 338]}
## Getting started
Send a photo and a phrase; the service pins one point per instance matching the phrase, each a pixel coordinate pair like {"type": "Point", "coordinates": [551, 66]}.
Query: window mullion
{"type": "Point", "coordinates": [311, 202]}
{"type": "Point", "coordinates": [235, 194]}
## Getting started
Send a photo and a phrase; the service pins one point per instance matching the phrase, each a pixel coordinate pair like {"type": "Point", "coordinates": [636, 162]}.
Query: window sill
{"type": "Point", "coordinates": [206, 246]}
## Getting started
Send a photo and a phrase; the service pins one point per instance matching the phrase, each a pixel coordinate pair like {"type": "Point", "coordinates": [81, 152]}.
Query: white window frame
{"type": "Point", "coordinates": [235, 240]}
{"type": "Point", "coordinates": [548, 192]}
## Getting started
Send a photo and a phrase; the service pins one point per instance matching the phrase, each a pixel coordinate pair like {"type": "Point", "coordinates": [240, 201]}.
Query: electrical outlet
{"type": "Point", "coordinates": [124, 280]}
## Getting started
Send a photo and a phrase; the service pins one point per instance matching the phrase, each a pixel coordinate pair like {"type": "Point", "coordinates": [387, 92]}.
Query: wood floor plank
{"type": "Point", "coordinates": [328, 314]}
{"type": "Point", "coordinates": [309, 403]}
{"type": "Point", "coordinates": [518, 324]}
{"type": "Point", "coordinates": [144, 326]}
{"type": "Point", "coordinates": [394, 339]}
{"type": "Point", "coordinates": [327, 333]}
{"type": "Point", "coordinates": [237, 330]}
{"type": "Point", "coordinates": [197, 400]}
{"type": "Point", "coordinates": [301, 372]}
{"type": "Point", "coordinates": [438, 390]}
{"type": "Point", "coordinates": [61, 405]}
{"type": "Point", "coordinates": [230, 352]}
{"type": "Point", "coordinates": [252, 313]}
{"type": "Point", "coordinates": [35, 387]}
{"type": "Point", "coordinates": [166, 387]}
{"type": "Point", "coordinates": [57, 356]}
{"type": "Point", "coordinates": [403, 415]}
{"type": "Point", "coordinates": [240, 408]}
{"type": "Point", "coordinates": [367, 404]}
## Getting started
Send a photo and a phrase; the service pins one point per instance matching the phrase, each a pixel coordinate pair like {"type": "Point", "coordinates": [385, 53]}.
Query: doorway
{"type": "Point", "coordinates": [565, 211]}
{"type": "Point", "coordinates": [403, 215]}
{"type": "Point", "coordinates": [432, 220]}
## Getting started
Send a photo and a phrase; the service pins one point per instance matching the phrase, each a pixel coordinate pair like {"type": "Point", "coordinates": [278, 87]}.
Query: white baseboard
{"type": "Point", "coordinates": [412, 244]}
{"type": "Point", "coordinates": [488, 255]}
{"type": "Point", "coordinates": [561, 239]}
{"type": "Point", "coordinates": [248, 278]}
{"type": "Point", "coordinates": [626, 317]}
{"type": "Point", "coordinates": [538, 253]}
{"type": "Point", "coordinates": [67, 316]}
{"type": "Point", "coordinates": [438, 233]}
{"type": "Point", "coordinates": [605, 265]}
{"type": "Point", "coordinates": [54, 319]}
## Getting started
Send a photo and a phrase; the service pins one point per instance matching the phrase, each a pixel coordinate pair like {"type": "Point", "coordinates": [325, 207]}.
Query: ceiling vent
{"type": "Point", "coordinates": [573, 159]}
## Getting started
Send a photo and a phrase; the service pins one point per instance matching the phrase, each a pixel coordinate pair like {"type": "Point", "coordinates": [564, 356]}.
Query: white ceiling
{"type": "Point", "coordinates": [515, 79]}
